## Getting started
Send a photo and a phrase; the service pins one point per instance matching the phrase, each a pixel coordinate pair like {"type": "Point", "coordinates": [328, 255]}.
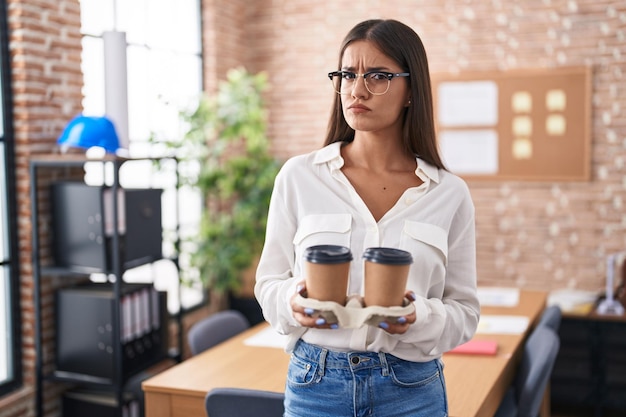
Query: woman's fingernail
{"type": "Point", "coordinates": [320, 321]}
{"type": "Point", "coordinates": [308, 311]}
{"type": "Point", "coordinates": [413, 296]}
{"type": "Point", "coordinates": [334, 326]}
{"type": "Point", "coordinates": [383, 325]}
{"type": "Point", "coordinates": [401, 320]}
{"type": "Point", "coordinates": [299, 288]}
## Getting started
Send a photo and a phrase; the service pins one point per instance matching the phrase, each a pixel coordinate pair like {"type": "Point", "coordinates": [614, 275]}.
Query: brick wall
{"type": "Point", "coordinates": [541, 235]}
{"type": "Point", "coordinates": [225, 38]}
{"type": "Point", "coordinates": [45, 51]}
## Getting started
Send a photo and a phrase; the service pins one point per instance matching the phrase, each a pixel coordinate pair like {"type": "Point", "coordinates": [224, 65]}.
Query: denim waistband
{"type": "Point", "coordinates": [355, 360]}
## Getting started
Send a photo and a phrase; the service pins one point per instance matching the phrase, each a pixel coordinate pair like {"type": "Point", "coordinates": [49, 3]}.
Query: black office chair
{"type": "Point", "coordinates": [551, 317]}
{"type": "Point", "coordinates": [524, 397]}
{"type": "Point", "coordinates": [215, 329]}
{"type": "Point", "coordinates": [239, 402]}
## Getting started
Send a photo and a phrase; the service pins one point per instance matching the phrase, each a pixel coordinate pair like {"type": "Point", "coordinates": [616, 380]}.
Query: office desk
{"type": "Point", "coordinates": [476, 384]}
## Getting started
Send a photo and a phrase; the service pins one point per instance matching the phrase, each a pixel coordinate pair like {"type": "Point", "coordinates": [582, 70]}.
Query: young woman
{"type": "Point", "coordinates": [378, 181]}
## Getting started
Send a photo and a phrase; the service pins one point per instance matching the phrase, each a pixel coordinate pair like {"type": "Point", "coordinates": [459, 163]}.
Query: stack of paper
{"type": "Point", "coordinates": [498, 297]}
{"type": "Point", "coordinates": [502, 324]}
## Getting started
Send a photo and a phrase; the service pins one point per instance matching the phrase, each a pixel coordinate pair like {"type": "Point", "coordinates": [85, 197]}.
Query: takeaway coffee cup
{"type": "Point", "coordinates": [327, 269]}
{"type": "Point", "coordinates": [386, 273]}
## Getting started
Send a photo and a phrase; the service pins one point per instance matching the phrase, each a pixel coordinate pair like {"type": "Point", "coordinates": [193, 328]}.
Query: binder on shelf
{"type": "Point", "coordinates": [107, 201]}
{"type": "Point", "coordinates": [85, 342]}
{"type": "Point", "coordinates": [136, 317]}
{"type": "Point", "coordinates": [81, 403]}
{"type": "Point", "coordinates": [126, 318]}
{"type": "Point", "coordinates": [154, 306]}
{"type": "Point", "coordinates": [83, 228]}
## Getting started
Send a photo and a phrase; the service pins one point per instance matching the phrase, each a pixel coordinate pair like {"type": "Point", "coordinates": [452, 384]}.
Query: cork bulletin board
{"type": "Point", "coordinates": [515, 125]}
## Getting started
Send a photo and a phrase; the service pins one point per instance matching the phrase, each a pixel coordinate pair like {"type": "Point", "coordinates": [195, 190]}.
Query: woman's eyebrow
{"type": "Point", "coordinates": [369, 69]}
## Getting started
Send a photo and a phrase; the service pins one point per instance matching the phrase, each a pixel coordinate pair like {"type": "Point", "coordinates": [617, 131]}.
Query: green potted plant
{"type": "Point", "coordinates": [226, 138]}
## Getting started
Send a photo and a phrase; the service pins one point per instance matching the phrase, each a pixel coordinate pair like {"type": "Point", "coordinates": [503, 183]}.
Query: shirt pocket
{"type": "Point", "coordinates": [429, 246]}
{"type": "Point", "coordinates": [415, 235]}
{"type": "Point", "coordinates": [322, 229]}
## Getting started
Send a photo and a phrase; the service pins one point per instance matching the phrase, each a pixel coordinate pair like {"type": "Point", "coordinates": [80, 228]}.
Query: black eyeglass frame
{"type": "Point", "coordinates": [353, 75]}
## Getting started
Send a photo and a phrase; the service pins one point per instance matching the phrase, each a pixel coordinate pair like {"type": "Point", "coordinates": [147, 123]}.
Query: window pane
{"type": "Point", "coordinates": [4, 233]}
{"type": "Point", "coordinates": [92, 65]}
{"type": "Point", "coordinates": [96, 16]}
{"type": "Point", "coordinates": [175, 81]}
{"type": "Point", "coordinates": [6, 354]}
{"type": "Point", "coordinates": [132, 18]}
{"type": "Point", "coordinates": [140, 97]}
{"type": "Point", "coordinates": [174, 25]}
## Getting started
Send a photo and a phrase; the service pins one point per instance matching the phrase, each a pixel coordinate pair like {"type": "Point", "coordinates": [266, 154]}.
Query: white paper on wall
{"type": "Point", "coordinates": [471, 103]}
{"type": "Point", "coordinates": [470, 151]}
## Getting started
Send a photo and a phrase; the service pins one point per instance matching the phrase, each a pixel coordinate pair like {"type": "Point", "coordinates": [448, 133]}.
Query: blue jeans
{"type": "Point", "coordinates": [325, 383]}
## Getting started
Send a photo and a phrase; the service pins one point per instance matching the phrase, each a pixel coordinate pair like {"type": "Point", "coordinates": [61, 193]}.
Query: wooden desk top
{"type": "Point", "coordinates": [475, 384]}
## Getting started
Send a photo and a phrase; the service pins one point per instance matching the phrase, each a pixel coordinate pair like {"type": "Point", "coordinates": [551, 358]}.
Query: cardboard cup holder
{"type": "Point", "coordinates": [354, 315]}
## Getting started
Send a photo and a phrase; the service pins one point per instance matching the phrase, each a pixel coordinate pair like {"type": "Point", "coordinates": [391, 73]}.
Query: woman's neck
{"type": "Point", "coordinates": [377, 153]}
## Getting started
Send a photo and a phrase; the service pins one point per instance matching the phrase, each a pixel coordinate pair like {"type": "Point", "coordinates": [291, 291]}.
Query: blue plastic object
{"type": "Point", "coordinates": [89, 131]}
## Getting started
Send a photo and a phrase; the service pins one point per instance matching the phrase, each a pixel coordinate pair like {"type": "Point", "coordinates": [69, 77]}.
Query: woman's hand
{"type": "Point", "coordinates": [399, 325]}
{"type": "Point", "coordinates": [308, 317]}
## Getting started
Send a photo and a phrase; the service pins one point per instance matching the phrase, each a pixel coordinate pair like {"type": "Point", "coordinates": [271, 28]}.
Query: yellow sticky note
{"type": "Point", "coordinates": [521, 102]}
{"type": "Point", "coordinates": [556, 100]}
{"type": "Point", "coordinates": [555, 125]}
{"type": "Point", "coordinates": [522, 126]}
{"type": "Point", "coordinates": [522, 149]}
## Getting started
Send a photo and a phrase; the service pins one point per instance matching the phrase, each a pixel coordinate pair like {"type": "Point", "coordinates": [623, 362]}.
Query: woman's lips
{"type": "Point", "coordinates": [359, 108]}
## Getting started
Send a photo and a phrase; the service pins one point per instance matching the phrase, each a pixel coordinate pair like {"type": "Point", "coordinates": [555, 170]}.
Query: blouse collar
{"type": "Point", "coordinates": [331, 154]}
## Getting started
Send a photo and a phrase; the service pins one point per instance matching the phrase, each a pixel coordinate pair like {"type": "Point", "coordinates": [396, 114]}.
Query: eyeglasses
{"type": "Point", "coordinates": [376, 82]}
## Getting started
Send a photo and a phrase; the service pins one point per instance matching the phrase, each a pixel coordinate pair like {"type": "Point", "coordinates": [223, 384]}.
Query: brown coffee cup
{"type": "Point", "coordinates": [326, 269]}
{"type": "Point", "coordinates": [386, 274]}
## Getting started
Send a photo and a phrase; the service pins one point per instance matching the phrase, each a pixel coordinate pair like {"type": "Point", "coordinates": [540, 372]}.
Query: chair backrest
{"type": "Point", "coordinates": [551, 317]}
{"type": "Point", "coordinates": [534, 372]}
{"type": "Point", "coordinates": [239, 402]}
{"type": "Point", "coordinates": [214, 329]}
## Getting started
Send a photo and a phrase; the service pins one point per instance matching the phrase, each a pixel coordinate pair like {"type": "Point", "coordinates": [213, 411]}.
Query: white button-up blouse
{"type": "Point", "coordinates": [313, 203]}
